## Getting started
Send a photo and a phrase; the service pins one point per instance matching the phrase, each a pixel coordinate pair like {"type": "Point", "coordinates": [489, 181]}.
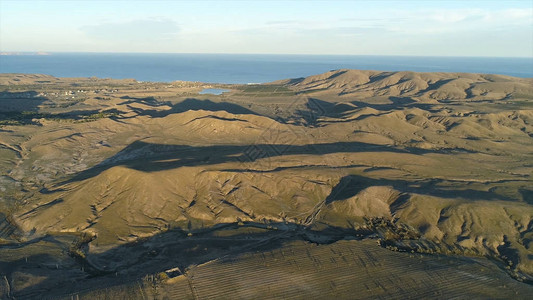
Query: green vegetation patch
{"type": "Point", "coordinates": [28, 117]}
{"type": "Point", "coordinates": [267, 90]}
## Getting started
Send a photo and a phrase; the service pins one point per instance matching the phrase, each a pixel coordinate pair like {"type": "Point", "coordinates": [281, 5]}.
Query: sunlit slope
{"type": "Point", "coordinates": [148, 188]}
{"type": "Point", "coordinates": [436, 86]}
{"type": "Point", "coordinates": [430, 162]}
{"type": "Point", "coordinates": [430, 224]}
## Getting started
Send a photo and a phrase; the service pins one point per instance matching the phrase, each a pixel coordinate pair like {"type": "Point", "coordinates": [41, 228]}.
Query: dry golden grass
{"type": "Point", "coordinates": [425, 162]}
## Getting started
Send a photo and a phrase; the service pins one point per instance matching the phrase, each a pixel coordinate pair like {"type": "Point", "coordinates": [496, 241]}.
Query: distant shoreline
{"type": "Point", "coordinates": [23, 53]}
{"type": "Point", "coordinates": [243, 69]}
{"type": "Point", "coordinates": [251, 54]}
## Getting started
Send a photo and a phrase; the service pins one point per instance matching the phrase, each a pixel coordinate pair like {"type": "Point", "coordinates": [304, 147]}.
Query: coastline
{"type": "Point", "coordinates": [245, 69]}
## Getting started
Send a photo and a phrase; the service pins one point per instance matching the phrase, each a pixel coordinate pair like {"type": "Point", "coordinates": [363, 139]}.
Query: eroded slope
{"type": "Point", "coordinates": [427, 162]}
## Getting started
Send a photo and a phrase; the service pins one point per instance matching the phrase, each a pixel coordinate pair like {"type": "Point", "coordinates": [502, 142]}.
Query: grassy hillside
{"type": "Point", "coordinates": [119, 181]}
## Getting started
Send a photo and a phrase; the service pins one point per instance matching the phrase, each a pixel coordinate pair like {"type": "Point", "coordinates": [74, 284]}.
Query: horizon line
{"type": "Point", "coordinates": [45, 53]}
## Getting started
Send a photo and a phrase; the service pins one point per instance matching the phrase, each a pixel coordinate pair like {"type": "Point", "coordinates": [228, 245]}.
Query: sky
{"type": "Point", "coordinates": [418, 28]}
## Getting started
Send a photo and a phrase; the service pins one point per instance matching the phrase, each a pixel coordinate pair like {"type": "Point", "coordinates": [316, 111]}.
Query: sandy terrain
{"type": "Point", "coordinates": [153, 186]}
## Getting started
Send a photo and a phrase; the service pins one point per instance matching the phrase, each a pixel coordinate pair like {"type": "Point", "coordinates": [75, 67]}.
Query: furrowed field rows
{"type": "Point", "coordinates": [110, 189]}
{"type": "Point", "coordinates": [177, 288]}
{"type": "Point", "coordinates": [346, 269]}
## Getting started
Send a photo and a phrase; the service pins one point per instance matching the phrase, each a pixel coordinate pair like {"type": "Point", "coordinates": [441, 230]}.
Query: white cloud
{"type": "Point", "coordinates": [517, 13]}
{"type": "Point", "coordinates": [453, 16]}
{"type": "Point", "coordinates": [508, 16]}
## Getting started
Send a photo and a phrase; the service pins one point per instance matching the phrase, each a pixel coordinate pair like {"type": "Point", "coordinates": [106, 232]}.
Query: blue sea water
{"type": "Point", "coordinates": [244, 68]}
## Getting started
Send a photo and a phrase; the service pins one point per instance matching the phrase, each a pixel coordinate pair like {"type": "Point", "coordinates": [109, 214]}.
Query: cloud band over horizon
{"type": "Point", "coordinates": [430, 28]}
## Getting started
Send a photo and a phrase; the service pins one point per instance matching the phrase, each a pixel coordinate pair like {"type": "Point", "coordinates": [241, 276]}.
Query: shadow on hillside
{"type": "Point", "coordinates": [148, 157]}
{"type": "Point", "coordinates": [396, 103]}
{"type": "Point", "coordinates": [527, 195]}
{"type": "Point", "coordinates": [144, 100]}
{"type": "Point", "coordinates": [132, 262]}
{"type": "Point", "coordinates": [351, 185]}
{"type": "Point", "coordinates": [32, 264]}
{"type": "Point", "coordinates": [317, 109]}
{"type": "Point", "coordinates": [185, 105]}
{"type": "Point", "coordinates": [178, 248]}
{"type": "Point", "coordinates": [19, 108]}
{"type": "Point", "coordinates": [20, 101]}
{"type": "Point", "coordinates": [434, 86]}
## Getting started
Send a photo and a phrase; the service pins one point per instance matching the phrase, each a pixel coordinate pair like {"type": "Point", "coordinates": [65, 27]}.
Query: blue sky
{"type": "Point", "coordinates": [429, 28]}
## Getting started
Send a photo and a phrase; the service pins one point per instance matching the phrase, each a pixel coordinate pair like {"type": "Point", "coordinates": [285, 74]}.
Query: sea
{"type": "Point", "coordinates": [245, 68]}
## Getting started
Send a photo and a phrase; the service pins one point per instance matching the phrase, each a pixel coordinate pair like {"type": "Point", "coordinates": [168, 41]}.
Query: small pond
{"type": "Point", "coordinates": [213, 91]}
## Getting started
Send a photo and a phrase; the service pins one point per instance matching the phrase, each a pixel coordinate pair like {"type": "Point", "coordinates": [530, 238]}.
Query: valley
{"type": "Point", "coordinates": [351, 183]}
